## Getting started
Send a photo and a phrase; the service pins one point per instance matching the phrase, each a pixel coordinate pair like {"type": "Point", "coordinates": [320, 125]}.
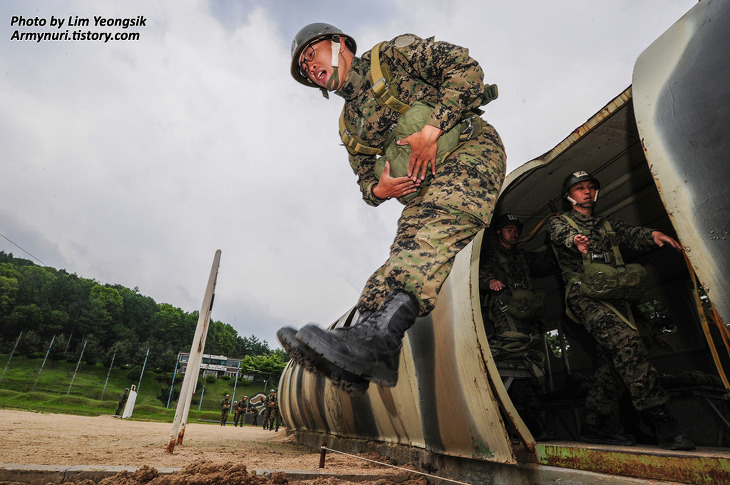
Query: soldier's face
{"type": "Point", "coordinates": [316, 62]}
{"type": "Point", "coordinates": [583, 192]}
{"type": "Point", "coordinates": [510, 234]}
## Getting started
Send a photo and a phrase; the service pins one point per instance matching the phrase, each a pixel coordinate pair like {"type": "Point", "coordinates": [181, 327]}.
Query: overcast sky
{"type": "Point", "coordinates": [132, 162]}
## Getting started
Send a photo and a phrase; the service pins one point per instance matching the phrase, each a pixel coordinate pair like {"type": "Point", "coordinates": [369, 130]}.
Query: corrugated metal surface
{"type": "Point", "coordinates": [682, 103]}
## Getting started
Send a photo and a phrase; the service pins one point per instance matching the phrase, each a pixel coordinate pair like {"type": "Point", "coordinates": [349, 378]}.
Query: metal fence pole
{"type": "Point", "coordinates": [143, 367]}
{"type": "Point", "coordinates": [43, 364]}
{"type": "Point", "coordinates": [77, 367]}
{"type": "Point", "coordinates": [235, 383]}
{"type": "Point", "coordinates": [107, 375]}
{"type": "Point", "coordinates": [174, 373]}
{"type": "Point", "coordinates": [11, 355]}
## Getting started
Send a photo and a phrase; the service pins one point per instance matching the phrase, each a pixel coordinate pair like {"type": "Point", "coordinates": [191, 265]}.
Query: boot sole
{"type": "Point", "coordinates": [307, 337]}
{"type": "Point", "coordinates": [353, 384]}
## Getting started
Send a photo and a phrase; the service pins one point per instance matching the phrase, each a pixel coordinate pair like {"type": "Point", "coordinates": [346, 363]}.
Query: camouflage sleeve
{"type": "Point", "coordinates": [488, 264]}
{"type": "Point", "coordinates": [362, 165]}
{"type": "Point", "coordinates": [561, 232]}
{"type": "Point", "coordinates": [636, 238]}
{"type": "Point", "coordinates": [458, 77]}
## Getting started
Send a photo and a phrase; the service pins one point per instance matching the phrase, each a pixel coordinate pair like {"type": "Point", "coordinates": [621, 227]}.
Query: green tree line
{"type": "Point", "coordinates": [112, 320]}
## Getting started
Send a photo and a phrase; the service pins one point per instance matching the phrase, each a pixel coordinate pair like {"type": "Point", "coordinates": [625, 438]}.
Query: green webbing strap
{"type": "Point", "coordinates": [385, 93]}
{"type": "Point", "coordinates": [354, 143]}
{"type": "Point", "coordinates": [613, 237]}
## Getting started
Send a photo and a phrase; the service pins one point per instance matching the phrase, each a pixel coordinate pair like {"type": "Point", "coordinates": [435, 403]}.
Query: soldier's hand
{"type": "Point", "coordinates": [424, 145]}
{"type": "Point", "coordinates": [660, 239]}
{"type": "Point", "coordinates": [582, 243]}
{"type": "Point", "coordinates": [496, 285]}
{"type": "Point", "coordinates": [388, 186]}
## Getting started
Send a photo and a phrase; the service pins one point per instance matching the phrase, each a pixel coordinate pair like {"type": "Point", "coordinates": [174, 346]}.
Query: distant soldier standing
{"type": "Point", "coordinates": [242, 410]}
{"type": "Point", "coordinates": [272, 418]}
{"type": "Point", "coordinates": [236, 414]}
{"type": "Point", "coordinates": [254, 413]}
{"type": "Point", "coordinates": [225, 408]}
{"type": "Point", "coordinates": [122, 402]}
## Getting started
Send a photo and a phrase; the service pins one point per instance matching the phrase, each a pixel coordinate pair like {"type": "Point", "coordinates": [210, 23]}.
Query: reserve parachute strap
{"type": "Point", "coordinates": [354, 143]}
{"type": "Point", "coordinates": [385, 93]}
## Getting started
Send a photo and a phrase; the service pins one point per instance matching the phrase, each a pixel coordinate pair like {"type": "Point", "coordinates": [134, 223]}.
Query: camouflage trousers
{"type": "Point", "coordinates": [440, 222]}
{"type": "Point", "coordinates": [622, 360]}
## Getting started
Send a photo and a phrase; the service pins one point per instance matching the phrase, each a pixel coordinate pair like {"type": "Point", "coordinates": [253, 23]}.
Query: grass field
{"type": "Point", "coordinates": [58, 391]}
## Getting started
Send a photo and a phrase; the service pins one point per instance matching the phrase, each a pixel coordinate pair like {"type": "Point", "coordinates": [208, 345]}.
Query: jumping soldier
{"type": "Point", "coordinates": [443, 162]}
{"type": "Point", "coordinates": [598, 290]}
{"type": "Point", "coordinates": [514, 308]}
{"type": "Point", "coordinates": [225, 408]}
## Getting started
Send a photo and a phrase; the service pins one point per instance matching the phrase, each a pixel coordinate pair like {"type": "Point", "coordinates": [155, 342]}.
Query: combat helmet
{"type": "Point", "coordinates": [575, 178]}
{"type": "Point", "coordinates": [504, 220]}
{"type": "Point", "coordinates": [313, 33]}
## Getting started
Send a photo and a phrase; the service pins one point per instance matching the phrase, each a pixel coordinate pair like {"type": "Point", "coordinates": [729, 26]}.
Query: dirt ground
{"type": "Point", "coordinates": [210, 453]}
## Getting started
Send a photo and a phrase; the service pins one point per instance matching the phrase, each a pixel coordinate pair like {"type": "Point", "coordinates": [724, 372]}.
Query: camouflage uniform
{"type": "Point", "coordinates": [236, 413]}
{"type": "Point", "coordinates": [272, 418]}
{"type": "Point", "coordinates": [254, 414]}
{"type": "Point", "coordinates": [242, 410]}
{"type": "Point", "coordinates": [622, 359]}
{"type": "Point", "coordinates": [514, 268]}
{"type": "Point", "coordinates": [122, 402]}
{"type": "Point", "coordinates": [225, 408]}
{"type": "Point", "coordinates": [460, 199]}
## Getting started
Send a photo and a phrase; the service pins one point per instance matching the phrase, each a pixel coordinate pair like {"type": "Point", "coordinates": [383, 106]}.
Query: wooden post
{"type": "Point", "coordinates": [194, 360]}
{"type": "Point", "coordinates": [322, 454]}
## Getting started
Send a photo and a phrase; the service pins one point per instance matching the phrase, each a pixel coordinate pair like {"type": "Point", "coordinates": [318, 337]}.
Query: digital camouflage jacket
{"type": "Point", "coordinates": [437, 73]}
{"type": "Point", "coordinates": [562, 235]}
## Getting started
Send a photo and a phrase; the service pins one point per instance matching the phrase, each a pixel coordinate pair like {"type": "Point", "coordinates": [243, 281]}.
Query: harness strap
{"type": "Point", "coordinates": [576, 279]}
{"type": "Point", "coordinates": [385, 93]}
{"type": "Point", "coordinates": [354, 143]}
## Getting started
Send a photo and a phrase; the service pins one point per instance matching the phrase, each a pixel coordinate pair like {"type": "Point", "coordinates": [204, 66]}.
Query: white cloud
{"type": "Point", "coordinates": [132, 162]}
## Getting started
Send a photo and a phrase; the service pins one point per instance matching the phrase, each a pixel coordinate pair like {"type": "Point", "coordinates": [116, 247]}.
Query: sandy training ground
{"type": "Point", "coordinates": [59, 439]}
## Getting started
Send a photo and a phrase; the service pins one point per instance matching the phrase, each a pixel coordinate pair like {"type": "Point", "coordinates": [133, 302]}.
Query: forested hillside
{"type": "Point", "coordinates": [44, 302]}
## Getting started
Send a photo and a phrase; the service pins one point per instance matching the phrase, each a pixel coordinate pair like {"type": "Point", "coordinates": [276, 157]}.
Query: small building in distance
{"type": "Point", "coordinates": [217, 365]}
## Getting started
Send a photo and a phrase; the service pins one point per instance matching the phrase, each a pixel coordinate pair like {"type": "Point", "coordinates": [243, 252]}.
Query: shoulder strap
{"type": "Point", "coordinates": [613, 237]}
{"type": "Point", "coordinates": [354, 143]}
{"type": "Point", "coordinates": [384, 92]}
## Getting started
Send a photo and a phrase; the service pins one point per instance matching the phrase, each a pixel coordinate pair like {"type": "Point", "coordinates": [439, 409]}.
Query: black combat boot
{"type": "Point", "coordinates": [603, 430]}
{"type": "Point", "coordinates": [667, 430]}
{"type": "Point", "coordinates": [313, 362]}
{"type": "Point", "coordinates": [370, 348]}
